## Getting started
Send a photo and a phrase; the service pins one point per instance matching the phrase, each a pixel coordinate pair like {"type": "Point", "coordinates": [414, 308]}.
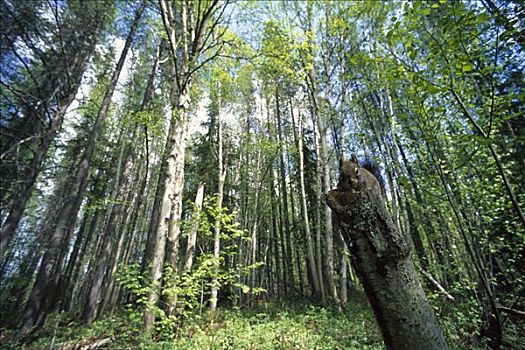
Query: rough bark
{"type": "Point", "coordinates": [381, 259]}
{"type": "Point", "coordinates": [167, 215]}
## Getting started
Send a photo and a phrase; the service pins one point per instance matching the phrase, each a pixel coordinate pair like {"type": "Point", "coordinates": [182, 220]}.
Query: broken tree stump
{"type": "Point", "coordinates": [381, 258]}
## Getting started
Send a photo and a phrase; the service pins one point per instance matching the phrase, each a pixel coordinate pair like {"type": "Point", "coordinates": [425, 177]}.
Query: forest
{"type": "Point", "coordinates": [222, 174]}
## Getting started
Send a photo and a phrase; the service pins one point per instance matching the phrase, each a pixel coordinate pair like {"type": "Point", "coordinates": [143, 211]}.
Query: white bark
{"type": "Point", "coordinates": [192, 236]}
{"type": "Point", "coordinates": [309, 240]}
{"type": "Point", "coordinates": [217, 228]}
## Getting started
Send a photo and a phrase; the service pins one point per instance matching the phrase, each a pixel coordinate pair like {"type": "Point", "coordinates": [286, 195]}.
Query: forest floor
{"type": "Point", "coordinates": [265, 326]}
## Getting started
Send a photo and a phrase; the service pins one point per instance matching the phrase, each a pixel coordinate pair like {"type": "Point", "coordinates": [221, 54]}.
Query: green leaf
{"type": "Point", "coordinates": [467, 67]}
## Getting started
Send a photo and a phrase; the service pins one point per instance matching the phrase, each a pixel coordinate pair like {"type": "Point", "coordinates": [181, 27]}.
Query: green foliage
{"type": "Point", "coordinates": [280, 326]}
{"type": "Point", "coordinates": [190, 288]}
{"type": "Point", "coordinates": [267, 326]}
{"type": "Point", "coordinates": [441, 79]}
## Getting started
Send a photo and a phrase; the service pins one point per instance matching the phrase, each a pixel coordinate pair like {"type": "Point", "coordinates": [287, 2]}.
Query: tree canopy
{"type": "Point", "coordinates": [168, 167]}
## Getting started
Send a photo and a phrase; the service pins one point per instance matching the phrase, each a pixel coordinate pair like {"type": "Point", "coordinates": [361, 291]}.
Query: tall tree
{"type": "Point", "coordinates": [43, 292]}
{"type": "Point", "coordinates": [191, 30]}
{"type": "Point", "coordinates": [44, 95]}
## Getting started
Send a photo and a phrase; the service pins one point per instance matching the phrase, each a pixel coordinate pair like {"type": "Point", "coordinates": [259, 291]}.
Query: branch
{"type": "Point", "coordinates": [167, 20]}
{"type": "Point", "coordinates": [436, 283]}
{"type": "Point", "coordinates": [511, 311]}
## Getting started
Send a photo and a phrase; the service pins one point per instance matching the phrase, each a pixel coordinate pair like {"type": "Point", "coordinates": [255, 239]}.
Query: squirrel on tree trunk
{"type": "Point", "coordinates": [359, 177]}
{"type": "Point", "coordinates": [380, 257]}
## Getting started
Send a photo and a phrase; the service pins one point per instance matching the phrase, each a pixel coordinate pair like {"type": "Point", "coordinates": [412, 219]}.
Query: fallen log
{"type": "Point", "coordinates": [88, 344]}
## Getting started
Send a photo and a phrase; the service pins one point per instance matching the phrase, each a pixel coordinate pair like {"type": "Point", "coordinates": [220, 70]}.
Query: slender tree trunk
{"type": "Point", "coordinates": [275, 238]}
{"type": "Point", "coordinates": [192, 235]}
{"type": "Point", "coordinates": [416, 236]}
{"type": "Point", "coordinates": [309, 241]}
{"type": "Point", "coordinates": [284, 197]}
{"type": "Point", "coordinates": [217, 228]}
{"type": "Point", "coordinates": [66, 281]}
{"type": "Point", "coordinates": [279, 253]}
{"type": "Point", "coordinates": [318, 244]}
{"type": "Point", "coordinates": [329, 254]}
{"type": "Point", "coordinates": [127, 238]}
{"type": "Point", "coordinates": [43, 291]}
{"type": "Point", "coordinates": [112, 216]}
{"type": "Point", "coordinates": [110, 288]}
{"type": "Point", "coordinates": [344, 278]}
{"type": "Point", "coordinates": [295, 248]}
{"type": "Point", "coordinates": [254, 248]}
{"type": "Point", "coordinates": [102, 284]}
{"type": "Point", "coordinates": [71, 293]}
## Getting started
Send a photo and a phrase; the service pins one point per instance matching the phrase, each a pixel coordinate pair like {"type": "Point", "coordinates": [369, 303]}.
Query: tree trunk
{"type": "Point", "coordinates": [74, 71]}
{"type": "Point", "coordinates": [319, 193]}
{"type": "Point", "coordinates": [275, 238]}
{"type": "Point", "coordinates": [217, 228]}
{"type": "Point", "coordinates": [306, 221]}
{"type": "Point", "coordinates": [192, 235]}
{"type": "Point", "coordinates": [188, 34]}
{"type": "Point", "coordinates": [328, 233]}
{"type": "Point", "coordinates": [252, 258]}
{"type": "Point", "coordinates": [344, 279]}
{"type": "Point", "coordinates": [43, 291]}
{"type": "Point", "coordinates": [284, 196]}
{"type": "Point", "coordinates": [381, 258]}
{"type": "Point", "coordinates": [166, 216]}
{"type": "Point", "coordinates": [109, 233]}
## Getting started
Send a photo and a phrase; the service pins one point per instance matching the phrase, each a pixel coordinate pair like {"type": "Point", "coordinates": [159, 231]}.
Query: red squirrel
{"type": "Point", "coordinates": [360, 178]}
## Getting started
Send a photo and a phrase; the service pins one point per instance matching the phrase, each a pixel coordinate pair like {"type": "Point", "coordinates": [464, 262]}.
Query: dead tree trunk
{"type": "Point", "coordinates": [381, 258]}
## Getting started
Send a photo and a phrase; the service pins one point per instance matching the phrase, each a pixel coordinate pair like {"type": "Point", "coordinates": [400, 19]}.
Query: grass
{"type": "Point", "coordinates": [265, 326]}
{"type": "Point", "coordinates": [283, 327]}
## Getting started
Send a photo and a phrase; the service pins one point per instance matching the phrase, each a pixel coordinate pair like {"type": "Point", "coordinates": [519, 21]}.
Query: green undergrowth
{"type": "Point", "coordinates": [265, 326]}
{"type": "Point", "coordinates": [284, 327]}
{"type": "Point", "coordinates": [268, 325]}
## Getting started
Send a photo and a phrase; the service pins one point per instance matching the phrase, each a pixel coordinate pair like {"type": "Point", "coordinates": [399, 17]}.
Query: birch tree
{"type": "Point", "coordinates": [194, 39]}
